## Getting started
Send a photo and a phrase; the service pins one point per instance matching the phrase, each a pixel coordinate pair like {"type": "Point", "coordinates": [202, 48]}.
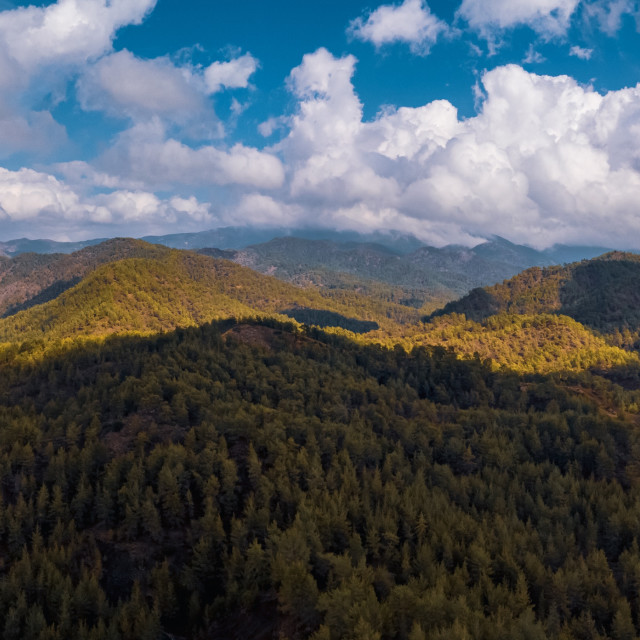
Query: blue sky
{"type": "Point", "coordinates": [449, 120]}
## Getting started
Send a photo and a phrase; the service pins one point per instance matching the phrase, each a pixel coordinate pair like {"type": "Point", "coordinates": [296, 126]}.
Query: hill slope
{"type": "Point", "coordinates": [192, 485]}
{"type": "Point", "coordinates": [32, 278]}
{"type": "Point", "coordinates": [182, 289]}
{"type": "Point", "coordinates": [602, 293]}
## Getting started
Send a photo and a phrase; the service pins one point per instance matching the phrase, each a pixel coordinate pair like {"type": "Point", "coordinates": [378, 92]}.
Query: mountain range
{"type": "Point", "coordinates": [192, 447]}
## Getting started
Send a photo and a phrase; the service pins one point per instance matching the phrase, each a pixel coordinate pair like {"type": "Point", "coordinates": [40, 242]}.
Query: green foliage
{"type": "Point", "coordinates": [263, 481]}
{"type": "Point", "coordinates": [600, 293]}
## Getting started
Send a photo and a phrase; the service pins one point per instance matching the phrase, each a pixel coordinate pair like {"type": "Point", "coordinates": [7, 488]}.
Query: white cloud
{"type": "Point", "coordinates": [68, 31]}
{"type": "Point", "coordinates": [143, 157]}
{"type": "Point", "coordinates": [550, 18]}
{"type": "Point", "coordinates": [40, 49]}
{"type": "Point", "coordinates": [124, 84]}
{"type": "Point", "coordinates": [412, 133]}
{"type": "Point", "coordinates": [411, 22]}
{"type": "Point", "coordinates": [608, 13]}
{"type": "Point", "coordinates": [580, 52]}
{"type": "Point", "coordinates": [532, 56]}
{"type": "Point", "coordinates": [34, 200]}
{"type": "Point", "coordinates": [260, 210]}
{"type": "Point", "coordinates": [234, 74]}
{"type": "Point", "coordinates": [545, 160]}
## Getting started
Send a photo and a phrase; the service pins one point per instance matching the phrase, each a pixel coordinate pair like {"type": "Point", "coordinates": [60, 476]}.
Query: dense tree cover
{"type": "Point", "coordinates": [527, 343]}
{"type": "Point", "coordinates": [298, 485]}
{"type": "Point", "coordinates": [32, 278]}
{"type": "Point", "coordinates": [600, 293]}
{"type": "Point", "coordinates": [147, 295]}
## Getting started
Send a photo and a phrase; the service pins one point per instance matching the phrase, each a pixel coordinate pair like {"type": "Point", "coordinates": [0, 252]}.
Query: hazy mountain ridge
{"type": "Point", "coordinates": [445, 272]}
{"type": "Point", "coordinates": [224, 238]}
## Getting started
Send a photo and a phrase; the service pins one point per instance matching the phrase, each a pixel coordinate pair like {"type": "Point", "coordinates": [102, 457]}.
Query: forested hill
{"type": "Point", "coordinates": [257, 482]}
{"type": "Point", "coordinates": [32, 278]}
{"type": "Point", "coordinates": [602, 293]}
{"type": "Point", "coordinates": [147, 295]}
{"type": "Point", "coordinates": [171, 288]}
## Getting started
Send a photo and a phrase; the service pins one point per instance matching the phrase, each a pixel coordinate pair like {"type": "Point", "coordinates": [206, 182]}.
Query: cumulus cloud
{"type": "Point", "coordinates": [581, 52]}
{"type": "Point", "coordinates": [545, 160]}
{"type": "Point", "coordinates": [550, 18]}
{"type": "Point", "coordinates": [122, 83]}
{"type": "Point", "coordinates": [233, 74]}
{"type": "Point", "coordinates": [30, 199]}
{"type": "Point", "coordinates": [143, 157]}
{"type": "Point", "coordinates": [68, 31]}
{"type": "Point", "coordinates": [40, 49]}
{"type": "Point", "coordinates": [411, 22]}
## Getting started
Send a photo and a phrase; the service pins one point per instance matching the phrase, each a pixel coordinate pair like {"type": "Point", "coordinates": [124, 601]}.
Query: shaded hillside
{"type": "Point", "coordinates": [31, 278]}
{"type": "Point", "coordinates": [603, 293]}
{"type": "Point", "coordinates": [259, 482]}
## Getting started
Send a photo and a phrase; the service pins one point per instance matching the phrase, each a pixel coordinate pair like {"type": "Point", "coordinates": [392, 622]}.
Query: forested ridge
{"type": "Point", "coordinates": [169, 288]}
{"type": "Point", "coordinates": [601, 293]}
{"type": "Point", "coordinates": [178, 460]}
{"type": "Point", "coordinates": [204, 484]}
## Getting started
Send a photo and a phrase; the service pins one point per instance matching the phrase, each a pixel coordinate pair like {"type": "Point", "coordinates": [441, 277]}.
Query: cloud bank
{"type": "Point", "coordinates": [544, 159]}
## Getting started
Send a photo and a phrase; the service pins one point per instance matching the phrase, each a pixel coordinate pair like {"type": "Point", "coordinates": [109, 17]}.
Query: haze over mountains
{"type": "Point", "coordinates": [428, 276]}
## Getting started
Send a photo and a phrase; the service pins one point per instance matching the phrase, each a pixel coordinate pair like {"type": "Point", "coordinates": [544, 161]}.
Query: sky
{"type": "Point", "coordinates": [453, 120]}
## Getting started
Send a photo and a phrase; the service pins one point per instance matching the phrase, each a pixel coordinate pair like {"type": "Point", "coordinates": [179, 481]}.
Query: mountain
{"type": "Point", "coordinates": [443, 273]}
{"type": "Point", "coordinates": [31, 278]}
{"type": "Point", "coordinates": [224, 238]}
{"type": "Point", "coordinates": [24, 245]}
{"type": "Point", "coordinates": [240, 237]}
{"type": "Point", "coordinates": [171, 288]}
{"type": "Point", "coordinates": [601, 293]}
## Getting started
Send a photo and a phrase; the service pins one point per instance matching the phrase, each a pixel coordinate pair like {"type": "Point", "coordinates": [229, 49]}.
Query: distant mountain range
{"type": "Point", "coordinates": [446, 272]}
{"type": "Point", "coordinates": [496, 248]}
{"type": "Point", "coordinates": [224, 238]}
{"type": "Point", "coordinates": [392, 267]}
